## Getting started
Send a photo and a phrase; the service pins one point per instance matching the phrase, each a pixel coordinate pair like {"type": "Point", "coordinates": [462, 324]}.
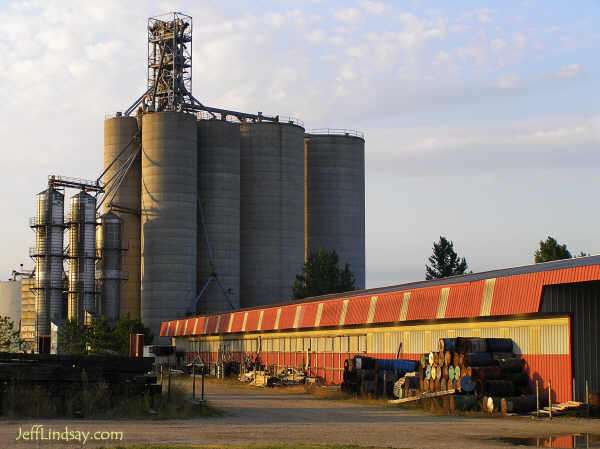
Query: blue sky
{"type": "Point", "coordinates": [481, 119]}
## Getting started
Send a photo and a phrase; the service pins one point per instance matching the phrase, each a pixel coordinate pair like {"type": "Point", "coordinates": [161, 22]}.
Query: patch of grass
{"type": "Point", "coordinates": [250, 446]}
{"type": "Point", "coordinates": [95, 401]}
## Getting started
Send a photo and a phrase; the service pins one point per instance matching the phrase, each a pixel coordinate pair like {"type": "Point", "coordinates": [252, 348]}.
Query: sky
{"type": "Point", "coordinates": [481, 119]}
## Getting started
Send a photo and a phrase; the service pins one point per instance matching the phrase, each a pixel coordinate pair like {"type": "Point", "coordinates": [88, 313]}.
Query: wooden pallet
{"type": "Point", "coordinates": [560, 409]}
{"type": "Point", "coordinates": [422, 396]}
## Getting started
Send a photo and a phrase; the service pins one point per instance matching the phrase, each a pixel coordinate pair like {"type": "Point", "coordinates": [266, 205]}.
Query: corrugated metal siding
{"type": "Point", "coordinates": [238, 321]}
{"type": "Point", "coordinates": [553, 368]}
{"type": "Point", "coordinates": [308, 314]}
{"type": "Point", "coordinates": [423, 303]}
{"type": "Point", "coordinates": [286, 320]}
{"type": "Point", "coordinates": [268, 321]}
{"type": "Point", "coordinates": [252, 321]}
{"type": "Point", "coordinates": [358, 310]}
{"type": "Point", "coordinates": [583, 302]}
{"type": "Point", "coordinates": [388, 308]}
{"type": "Point", "coordinates": [517, 294]}
{"type": "Point", "coordinates": [331, 313]}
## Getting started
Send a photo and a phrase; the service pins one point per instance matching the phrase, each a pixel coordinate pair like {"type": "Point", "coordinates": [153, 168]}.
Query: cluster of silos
{"type": "Point", "coordinates": [335, 197]}
{"type": "Point", "coordinates": [227, 210]}
{"type": "Point", "coordinates": [82, 258]}
{"type": "Point", "coordinates": [48, 253]}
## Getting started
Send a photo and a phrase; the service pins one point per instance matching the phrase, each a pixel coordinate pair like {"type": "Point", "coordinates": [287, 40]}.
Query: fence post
{"type": "Point", "coordinates": [550, 397]}
{"type": "Point", "coordinates": [193, 381]}
{"type": "Point", "coordinates": [537, 397]}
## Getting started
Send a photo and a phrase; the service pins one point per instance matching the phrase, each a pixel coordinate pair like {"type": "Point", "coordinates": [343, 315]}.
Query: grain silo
{"type": "Point", "coordinates": [48, 253]}
{"type": "Point", "coordinates": [272, 211]}
{"type": "Point", "coordinates": [335, 194]}
{"type": "Point", "coordinates": [219, 215]}
{"type": "Point", "coordinates": [108, 269]}
{"type": "Point", "coordinates": [168, 216]}
{"type": "Point", "coordinates": [82, 258]}
{"type": "Point", "coordinates": [118, 133]}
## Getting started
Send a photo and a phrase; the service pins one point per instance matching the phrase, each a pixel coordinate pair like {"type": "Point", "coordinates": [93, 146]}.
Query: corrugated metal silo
{"type": "Point", "coordinates": [272, 211]}
{"type": "Point", "coordinates": [118, 132]}
{"type": "Point", "coordinates": [219, 194]}
{"type": "Point", "coordinates": [169, 216]}
{"type": "Point", "coordinates": [82, 257]}
{"type": "Point", "coordinates": [108, 268]}
{"type": "Point", "coordinates": [48, 252]}
{"type": "Point", "coordinates": [335, 189]}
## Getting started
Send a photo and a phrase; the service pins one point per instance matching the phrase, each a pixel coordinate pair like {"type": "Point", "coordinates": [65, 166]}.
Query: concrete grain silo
{"type": "Point", "coordinates": [272, 211]}
{"type": "Point", "coordinates": [169, 216]}
{"type": "Point", "coordinates": [335, 190]}
{"type": "Point", "coordinates": [219, 194]}
{"type": "Point", "coordinates": [118, 132]}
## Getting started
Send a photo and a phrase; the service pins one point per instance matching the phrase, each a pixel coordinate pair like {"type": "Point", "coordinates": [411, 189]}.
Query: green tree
{"type": "Point", "coordinates": [125, 326]}
{"type": "Point", "coordinates": [101, 337]}
{"type": "Point", "coordinates": [551, 250]}
{"type": "Point", "coordinates": [10, 341]}
{"type": "Point", "coordinates": [444, 261]}
{"type": "Point", "coordinates": [73, 337]}
{"type": "Point", "coordinates": [583, 254]}
{"type": "Point", "coordinates": [321, 275]}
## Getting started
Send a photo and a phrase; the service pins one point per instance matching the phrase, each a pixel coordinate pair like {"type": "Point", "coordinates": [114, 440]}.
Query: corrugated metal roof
{"type": "Point", "coordinates": [511, 291]}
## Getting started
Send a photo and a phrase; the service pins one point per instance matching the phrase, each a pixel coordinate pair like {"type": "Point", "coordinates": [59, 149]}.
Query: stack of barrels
{"type": "Point", "coordinates": [369, 376]}
{"type": "Point", "coordinates": [482, 367]}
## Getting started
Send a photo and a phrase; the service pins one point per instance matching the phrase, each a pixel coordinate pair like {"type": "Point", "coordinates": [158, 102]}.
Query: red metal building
{"type": "Point", "coordinates": [550, 311]}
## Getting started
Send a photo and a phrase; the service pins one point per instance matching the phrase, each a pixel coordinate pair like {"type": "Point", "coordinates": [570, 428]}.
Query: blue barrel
{"type": "Point", "coordinates": [499, 344]}
{"type": "Point", "coordinates": [404, 366]}
{"type": "Point", "coordinates": [480, 359]}
{"type": "Point", "coordinates": [413, 382]}
{"type": "Point", "coordinates": [466, 384]}
{"type": "Point", "coordinates": [447, 344]}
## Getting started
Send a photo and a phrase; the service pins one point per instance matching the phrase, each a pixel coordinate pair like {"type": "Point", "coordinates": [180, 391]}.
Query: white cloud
{"type": "Point", "coordinates": [498, 44]}
{"type": "Point", "coordinates": [372, 7]}
{"type": "Point", "coordinates": [569, 71]}
{"type": "Point", "coordinates": [349, 16]}
{"type": "Point", "coordinates": [509, 82]}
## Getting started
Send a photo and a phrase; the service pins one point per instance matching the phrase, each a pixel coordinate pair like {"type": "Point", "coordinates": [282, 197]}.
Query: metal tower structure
{"type": "Point", "coordinates": [169, 62]}
{"type": "Point", "coordinates": [169, 70]}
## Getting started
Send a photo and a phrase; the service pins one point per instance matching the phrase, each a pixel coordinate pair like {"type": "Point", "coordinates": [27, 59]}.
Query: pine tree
{"type": "Point", "coordinates": [551, 250]}
{"type": "Point", "coordinates": [444, 261]}
{"type": "Point", "coordinates": [321, 275]}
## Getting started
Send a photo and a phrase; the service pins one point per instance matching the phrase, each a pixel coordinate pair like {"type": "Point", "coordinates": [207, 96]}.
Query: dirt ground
{"type": "Point", "coordinates": [266, 416]}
